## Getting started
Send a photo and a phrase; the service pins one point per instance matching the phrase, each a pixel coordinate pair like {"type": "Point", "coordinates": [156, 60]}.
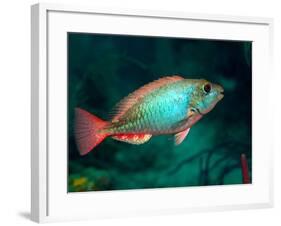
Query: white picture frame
{"type": "Point", "coordinates": [49, 198]}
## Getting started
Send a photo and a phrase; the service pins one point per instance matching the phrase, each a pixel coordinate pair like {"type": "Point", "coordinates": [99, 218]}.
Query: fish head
{"type": "Point", "coordinates": [206, 95]}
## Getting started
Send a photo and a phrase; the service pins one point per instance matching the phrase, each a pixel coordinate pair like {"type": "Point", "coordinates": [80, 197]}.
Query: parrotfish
{"type": "Point", "coordinates": [169, 105]}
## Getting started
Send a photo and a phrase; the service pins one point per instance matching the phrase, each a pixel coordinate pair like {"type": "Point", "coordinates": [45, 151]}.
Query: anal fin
{"type": "Point", "coordinates": [133, 138]}
{"type": "Point", "coordinates": [179, 137]}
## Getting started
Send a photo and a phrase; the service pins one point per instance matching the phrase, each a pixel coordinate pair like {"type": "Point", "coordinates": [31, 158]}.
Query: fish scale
{"type": "Point", "coordinates": [157, 112]}
{"type": "Point", "coordinates": [170, 105]}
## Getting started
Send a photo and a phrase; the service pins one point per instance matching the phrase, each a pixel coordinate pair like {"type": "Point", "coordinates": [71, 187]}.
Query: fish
{"type": "Point", "coordinates": [169, 105]}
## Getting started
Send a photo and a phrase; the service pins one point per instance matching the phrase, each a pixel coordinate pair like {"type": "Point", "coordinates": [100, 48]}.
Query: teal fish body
{"type": "Point", "coordinates": [160, 112]}
{"type": "Point", "coordinates": [170, 105]}
{"type": "Point", "coordinates": [168, 109]}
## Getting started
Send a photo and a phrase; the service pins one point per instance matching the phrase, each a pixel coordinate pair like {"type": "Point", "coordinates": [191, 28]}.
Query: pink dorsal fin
{"type": "Point", "coordinates": [125, 104]}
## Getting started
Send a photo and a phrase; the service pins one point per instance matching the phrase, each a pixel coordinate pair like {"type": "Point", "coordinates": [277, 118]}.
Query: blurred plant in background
{"type": "Point", "coordinates": [102, 69]}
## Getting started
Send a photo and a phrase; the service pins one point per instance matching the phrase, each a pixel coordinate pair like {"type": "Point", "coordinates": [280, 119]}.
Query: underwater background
{"type": "Point", "coordinates": [102, 69]}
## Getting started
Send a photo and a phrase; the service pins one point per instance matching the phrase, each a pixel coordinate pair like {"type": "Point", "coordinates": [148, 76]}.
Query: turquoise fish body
{"type": "Point", "coordinates": [169, 105]}
{"type": "Point", "coordinates": [162, 111]}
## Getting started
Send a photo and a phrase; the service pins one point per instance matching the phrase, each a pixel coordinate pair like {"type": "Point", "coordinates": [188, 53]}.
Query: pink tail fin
{"type": "Point", "coordinates": [86, 129]}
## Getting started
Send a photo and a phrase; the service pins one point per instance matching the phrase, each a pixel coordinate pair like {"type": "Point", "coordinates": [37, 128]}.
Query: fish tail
{"type": "Point", "coordinates": [87, 129]}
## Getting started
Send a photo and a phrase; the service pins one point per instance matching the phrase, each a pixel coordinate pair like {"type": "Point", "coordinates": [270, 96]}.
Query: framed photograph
{"type": "Point", "coordinates": [144, 112]}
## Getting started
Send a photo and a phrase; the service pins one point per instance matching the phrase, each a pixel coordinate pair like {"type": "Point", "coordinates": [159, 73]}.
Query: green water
{"type": "Point", "coordinates": [102, 69]}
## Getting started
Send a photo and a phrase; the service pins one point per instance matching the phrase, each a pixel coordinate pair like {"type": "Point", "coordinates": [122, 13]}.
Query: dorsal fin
{"type": "Point", "coordinates": [125, 104]}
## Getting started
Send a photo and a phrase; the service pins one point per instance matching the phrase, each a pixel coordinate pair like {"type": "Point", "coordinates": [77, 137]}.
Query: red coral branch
{"type": "Point", "coordinates": [244, 169]}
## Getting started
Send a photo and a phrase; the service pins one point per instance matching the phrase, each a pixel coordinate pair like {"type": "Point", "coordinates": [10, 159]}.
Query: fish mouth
{"type": "Point", "coordinates": [221, 95]}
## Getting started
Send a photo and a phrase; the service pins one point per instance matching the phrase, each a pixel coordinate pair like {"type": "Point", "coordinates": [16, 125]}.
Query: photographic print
{"type": "Point", "coordinates": [158, 112]}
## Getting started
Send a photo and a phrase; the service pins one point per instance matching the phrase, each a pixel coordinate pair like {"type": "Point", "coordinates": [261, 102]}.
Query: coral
{"type": "Point", "coordinates": [244, 169]}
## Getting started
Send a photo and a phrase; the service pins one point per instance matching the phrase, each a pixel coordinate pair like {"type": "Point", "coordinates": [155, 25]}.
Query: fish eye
{"type": "Point", "coordinates": [207, 87]}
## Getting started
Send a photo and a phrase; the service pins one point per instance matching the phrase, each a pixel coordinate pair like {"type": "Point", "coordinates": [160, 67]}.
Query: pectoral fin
{"type": "Point", "coordinates": [133, 138]}
{"type": "Point", "coordinates": [179, 137]}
